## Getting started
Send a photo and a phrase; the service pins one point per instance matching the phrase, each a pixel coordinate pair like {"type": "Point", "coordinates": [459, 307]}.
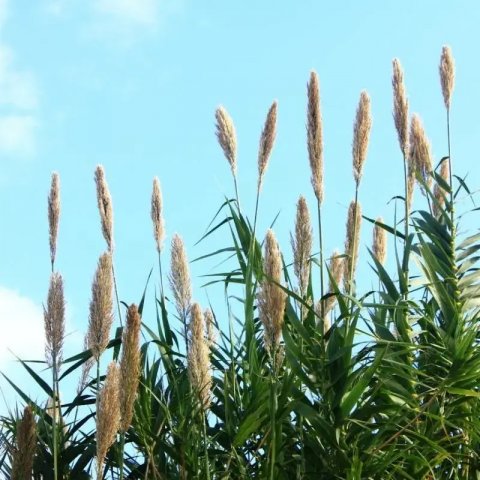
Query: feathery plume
{"type": "Point", "coordinates": [335, 267]}
{"type": "Point", "coordinates": [101, 307]}
{"type": "Point", "coordinates": [108, 415]}
{"type": "Point", "coordinates": [54, 319]}
{"type": "Point", "coordinates": [447, 74]}
{"type": "Point", "coordinates": [438, 191]}
{"type": "Point", "coordinates": [361, 135]}
{"type": "Point", "coordinates": [420, 153]}
{"type": "Point", "coordinates": [325, 323]}
{"type": "Point", "coordinates": [105, 207]}
{"type": "Point", "coordinates": [379, 245]}
{"type": "Point", "coordinates": [400, 106]}
{"type": "Point", "coordinates": [271, 298]}
{"type": "Point", "coordinates": [180, 277]}
{"type": "Point", "coordinates": [199, 357]}
{"type": "Point", "coordinates": [302, 245]}
{"type": "Point", "coordinates": [130, 366]}
{"type": "Point", "coordinates": [227, 137]}
{"type": "Point", "coordinates": [315, 136]}
{"type": "Point", "coordinates": [211, 331]}
{"type": "Point", "coordinates": [157, 215]}
{"type": "Point", "coordinates": [86, 367]}
{"type": "Point", "coordinates": [352, 243]}
{"type": "Point", "coordinates": [266, 142]}
{"type": "Point", "coordinates": [24, 450]}
{"type": "Point", "coordinates": [53, 215]}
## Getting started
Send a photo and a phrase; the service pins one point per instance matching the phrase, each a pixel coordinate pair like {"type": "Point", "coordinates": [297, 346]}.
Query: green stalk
{"type": "Point", "coordinates": [122, 450]}
{"type": "Point", "coordinates": [352, 259]}
{"type": "Point", "coordinates": [236, 192]}
{"type": "Point", "coordinates": [116, 294]}
{"type": "Point", "coordinates": [301, 466]}
{"type": "Point", "coordinates": [161, 275]}
{"type": "Point", "coordinates": [452, 216]}
{"type": "Point", "coordinates": [205, 444]}
{"type": "Point", "coordinates": [54, 421]}
{"type": "Point", "coordinates": [320, 241]}
{"type": "Point", "coordinates": [407, 220]}
{"type": "Point", "coordinates": [273, 416]}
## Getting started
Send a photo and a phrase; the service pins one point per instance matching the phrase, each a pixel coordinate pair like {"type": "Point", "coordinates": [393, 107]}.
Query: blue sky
{"type": "Point", "coordinates": [133, 85]}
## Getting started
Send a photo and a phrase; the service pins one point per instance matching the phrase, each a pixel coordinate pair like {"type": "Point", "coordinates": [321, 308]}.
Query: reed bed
{"type": "Point", "coordinates": [301, 379]}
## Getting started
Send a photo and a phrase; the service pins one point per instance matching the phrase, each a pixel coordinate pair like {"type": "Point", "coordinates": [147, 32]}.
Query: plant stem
{"type": "Point", "coordinates": [122, 450]}
{"type": "Point", "coordinates": [160, 274]}
{"type": "Point", "coordinates": [320, 241]}
{"type": "Point", "coordinates": [116, 294]}
{"type": "Point", "coordinates": [54, 420]}
{"type": "Point", "coordinates": [273, 416]}
{"type": "Point", "coordinates": [205, 444]}
{"type": "Point", "coordinates": [236, 192]}
{"type": "Point", "coordinates": [354, 244]}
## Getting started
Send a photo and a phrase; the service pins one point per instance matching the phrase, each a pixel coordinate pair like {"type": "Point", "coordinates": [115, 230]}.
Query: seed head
{"type": "Point", "coordinates": [25, 446]}
{"type": "Point", "coordinates": [361, 135]}
{"type": "Point", "coordinates": [335, 267]}
{"type": "Point", "coordinates": [86, 367]}
{"type": "Point", "coordinates": [271, 298]}
{"type": "Point", "coordinates": [211, 330]}
{"type": "Point", "coordinates": [420, 156]}
{"type": "Point", "coordinates": [302, 245]}
{"type": "Point", "coordinates": [180, 277]}
{"type": "Point", "coordinates": [315, 136]}
{"type": "Point", "coordinates": [54, 319]}
{"type": "Point", "coordinates": [325, 323]}
{"type": "Point", "coordinates": [352, 243]}
{"type": "Point", "coordinates": [379, 246]}
{"type": "Point", "coordinates": [438, 191]}
{"type": "Point", "coordinates": [447, 74]}
{"type": "Point", "coordinates": [101, 307]}
{"type": "Point", "coordinates": [266, 142]}
{"type": "Point", "coordinates": [400, 106]}
{"type": "Point", "coordinates": [53, 215]}
{"type": "Point", "coordinates": [108, 415]}
{"type": "Point", "coordinates": [130, 366]}
{"type": "Point", "coordinates": [105, 207]}
{"type": "Point", "coordinates": [227, 137]}
{"type": "Point", "coordinates": [157, 215]}
{"type": "Point", "coordinates": [199, 368]}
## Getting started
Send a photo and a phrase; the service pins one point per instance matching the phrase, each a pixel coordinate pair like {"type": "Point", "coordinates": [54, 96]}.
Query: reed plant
{"type": "Point", "coordinates": [303, 373]}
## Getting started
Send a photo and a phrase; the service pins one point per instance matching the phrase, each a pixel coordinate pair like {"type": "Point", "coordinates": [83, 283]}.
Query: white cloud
{"type": "Point", "coordinates": [22, 327]}
{"type": "Point", "coordinates": [3, 11]}
{"type": "Point", "coordinates": [17, 134]}
{"type": "Point", "coordinates": [124, 22]}
{"type": "Point", "coordinates": [17, 88]}
{"type": "Point", "coordinates": [141, 12]}
{"type": "Point", "coordinates": [18, 101]}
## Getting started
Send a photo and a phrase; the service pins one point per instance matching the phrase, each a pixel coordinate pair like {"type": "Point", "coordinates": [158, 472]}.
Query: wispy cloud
{"type": "Point", "coordinates": [126, 21]}
{"type": "Point", "coordinates": [22, 327]}
{"type": "Point", "coordinates": [18, 101]}
{"type": "Point", "coordinates": [132, 12]}
{"type": "Point", "coordinates": [17, 134]}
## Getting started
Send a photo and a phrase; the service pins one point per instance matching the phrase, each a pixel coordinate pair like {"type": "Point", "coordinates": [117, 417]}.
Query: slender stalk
{"type": "Point", "coordinates": [452, 214]}
{"type": "Point", "coordinates": [122, 450]}
{"type": "Point", "coordinates": [205, 444]}
{"type": "Point", "coordinates": [236, 192]}
{"type": "Point", "coordinates": [273, 416]}
{"type": "Point", "coordinates": [116, 294]}
{"type": "Point", "coordinates": [161, 275]}
{"type": "Point", "coordinates": [407, 221]}
{"type": "Point", "coordinates": [320, 241]}
{"type": "Point", "coordinates": [54, 421]}
{"type": "Point", "coordinates": [354, 241]}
